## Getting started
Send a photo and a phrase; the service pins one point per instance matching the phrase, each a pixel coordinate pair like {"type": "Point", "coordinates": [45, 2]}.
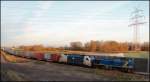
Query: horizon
{"type": "Point", "coordinates": [54, 23]}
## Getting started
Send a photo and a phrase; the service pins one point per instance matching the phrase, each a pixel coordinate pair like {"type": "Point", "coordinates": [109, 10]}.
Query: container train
{"type": "Point", "coordinates": [108, 62]}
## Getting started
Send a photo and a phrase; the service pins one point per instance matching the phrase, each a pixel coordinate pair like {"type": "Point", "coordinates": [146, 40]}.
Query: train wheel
{"type": "Point", "coordinates": [124, 70]}
{"type": "Point", "coordinates": [130, 71]}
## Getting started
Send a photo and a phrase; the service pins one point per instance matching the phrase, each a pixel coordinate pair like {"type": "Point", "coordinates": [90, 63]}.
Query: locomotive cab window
{"type": "Point", "coordinates": [87, 59]}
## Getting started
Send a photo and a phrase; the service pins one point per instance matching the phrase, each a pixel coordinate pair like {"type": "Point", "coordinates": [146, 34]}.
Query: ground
{"type": "Point", "coordinates": [33, 70]}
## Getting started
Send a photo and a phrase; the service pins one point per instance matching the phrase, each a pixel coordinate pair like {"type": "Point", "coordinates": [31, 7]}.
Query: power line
{"type": "Point", "coordinates": [136, 24]}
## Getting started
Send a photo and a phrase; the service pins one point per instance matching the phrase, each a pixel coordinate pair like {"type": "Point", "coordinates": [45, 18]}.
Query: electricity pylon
{"type": "Point", "coordinates": [136, 24]}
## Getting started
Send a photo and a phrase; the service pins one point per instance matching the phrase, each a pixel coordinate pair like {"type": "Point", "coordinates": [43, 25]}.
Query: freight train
{"type": "Point", "coordinates": [108, 62]}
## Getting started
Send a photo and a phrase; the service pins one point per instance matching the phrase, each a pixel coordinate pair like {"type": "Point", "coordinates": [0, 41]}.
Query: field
{"type": "Point", "coordinates": [139, 54]}
{"type": "Point", "coordinates": [33, 70]}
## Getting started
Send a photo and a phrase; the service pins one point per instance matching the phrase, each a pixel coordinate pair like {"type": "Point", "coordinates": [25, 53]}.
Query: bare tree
{"type": "Point", "coordinates": [76, 45]}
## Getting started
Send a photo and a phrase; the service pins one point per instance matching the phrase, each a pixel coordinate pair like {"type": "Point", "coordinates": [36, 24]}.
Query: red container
{"type": "Point", "coordinates": [39, 56]}
{"type": "Point", "coordinates": [55, 57]}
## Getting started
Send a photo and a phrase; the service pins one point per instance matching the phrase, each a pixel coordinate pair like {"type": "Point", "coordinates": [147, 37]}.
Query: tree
{"type": "Point", "coordinates": [87, 46]}
{"type": "Point", "coordinates": [145, 46]}
{"type": "Point", "coordinates": [76, 45]}
{"type": "Point", "coordinates": [93, 46]}
{"type": "Point", "coordinates": [110, 46]}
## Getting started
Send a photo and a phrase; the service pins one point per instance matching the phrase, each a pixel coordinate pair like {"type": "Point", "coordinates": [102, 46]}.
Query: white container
{"type": "Point", "coordinates": [63, 58]}
{"type": "Point", "coordinates": [47, 56]}
{"type": "Point", "coordinates": [32, 55]}
{"type": "Point", "coordinates": [27, 54]}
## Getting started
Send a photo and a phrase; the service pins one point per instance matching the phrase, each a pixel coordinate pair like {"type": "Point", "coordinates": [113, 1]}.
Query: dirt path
{"type": "Point", "coordinates": [2, 57]}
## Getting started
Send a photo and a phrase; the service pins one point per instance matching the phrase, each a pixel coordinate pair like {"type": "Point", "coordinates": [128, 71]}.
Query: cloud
{"type": "Point", "coordinates": [87, 25]}
{"type": "Point", "coordinates": [40, 11]}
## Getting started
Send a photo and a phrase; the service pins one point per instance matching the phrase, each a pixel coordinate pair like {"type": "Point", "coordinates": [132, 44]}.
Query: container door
{"type": "Point", "coordinates": [45, 56]}
{"type": "Point", "coordinates": [61, 58]}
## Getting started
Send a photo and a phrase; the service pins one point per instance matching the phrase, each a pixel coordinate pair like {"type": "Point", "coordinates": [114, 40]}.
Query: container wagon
{"type": "Point", "coordinates": [75, 59]}
{"type": "Point", "coordinates": [39, 56]}
{"type": "Point", "coordinates": [47, 56]}
{"type": "Point", "coordinates": [55, 57]}
{"type": "Point", "coordinates": [109, 62]}
{"type": "Point", "coordinates": [27, 54]}
{"type": "Point", "coordinates": [63, 58]}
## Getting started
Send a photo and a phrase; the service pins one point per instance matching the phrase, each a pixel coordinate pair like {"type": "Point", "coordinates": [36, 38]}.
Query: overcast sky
{"type": "Point", "coordinates": [56, 23]}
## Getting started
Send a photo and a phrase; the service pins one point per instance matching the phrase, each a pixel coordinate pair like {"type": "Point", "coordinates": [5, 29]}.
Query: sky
{"type": "Point", "coordinates": [57, 23]}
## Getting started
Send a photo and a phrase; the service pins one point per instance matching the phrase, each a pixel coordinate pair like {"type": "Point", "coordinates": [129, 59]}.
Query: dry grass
{"type": "Point", "coordinates": [121, 76]}
{"type": "Point", "coordinates": [10, 75]}
{"type": "Point", "coordinates": [13, 59]}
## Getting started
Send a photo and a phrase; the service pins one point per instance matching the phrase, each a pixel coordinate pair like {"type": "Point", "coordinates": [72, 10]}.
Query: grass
{"type": "Point", "coordinates": [120, 76]}
{"type": "Point", "coordinates": [14, 59]}
{"type": "Point", "coordinates": [137, 54]}
{"type": "Point", "coordinates": [39, 62]}
{"type": "Point", "coordinates": [9, 75]}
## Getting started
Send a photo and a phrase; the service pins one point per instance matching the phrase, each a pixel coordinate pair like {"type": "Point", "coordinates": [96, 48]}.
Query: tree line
{"type": "Point", "coordinates": [91, 46]}
{"type": "Point", "coordinates": [107, 46]}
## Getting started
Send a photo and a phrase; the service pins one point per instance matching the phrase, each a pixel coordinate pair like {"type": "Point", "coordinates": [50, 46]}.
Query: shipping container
{"type": "Point", "coordinates": [47, 56]}
{"type": "Point", "coordinates": [39, 56]}
{"type": "Point", "coordinates": [19, 52]}
{"type": "Point", "coordinates": [23, 54]}
{"type": "Point", "coordinates": [11, 52]}
{"type": "Point", "coordinates": [63, 58]}
{"type": "Point", "coordinates": [75, 59]}
{"type": "Point", "coordinates": [16, 53]}
{"type": "Point", "coordinates": [27, 54]}
{"type": "Point", "coordinates": [32, 55]}
{"type": "Point", "coordinates": [55, 57]}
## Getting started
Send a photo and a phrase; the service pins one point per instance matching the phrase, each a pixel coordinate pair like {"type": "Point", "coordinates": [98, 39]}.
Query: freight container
{"type": "Point", "coordinates": [55, 57]}
{"type": "Point", "coordinates": [39, 56]}
{"type": "Point", "coordinates": [18, 52]}
{"type": "Point", "coordinates": [22, 54]}
{"type": "Point", "coordinates": [32, 55]}
{"type": "Point", "coordinates": [75, 59]}
{"type": "Point", "coordinates": [11, 52]}
{"type": "Point", "coordinates": [63, 58]}
{"type": "Point", "coordinates": [47, 56]}
{"type": "Point", "coordinates": [27, 54]}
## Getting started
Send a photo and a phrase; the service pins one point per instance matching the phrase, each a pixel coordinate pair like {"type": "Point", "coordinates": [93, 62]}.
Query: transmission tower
{"type": "Point", "coordinates": [136, 22]}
